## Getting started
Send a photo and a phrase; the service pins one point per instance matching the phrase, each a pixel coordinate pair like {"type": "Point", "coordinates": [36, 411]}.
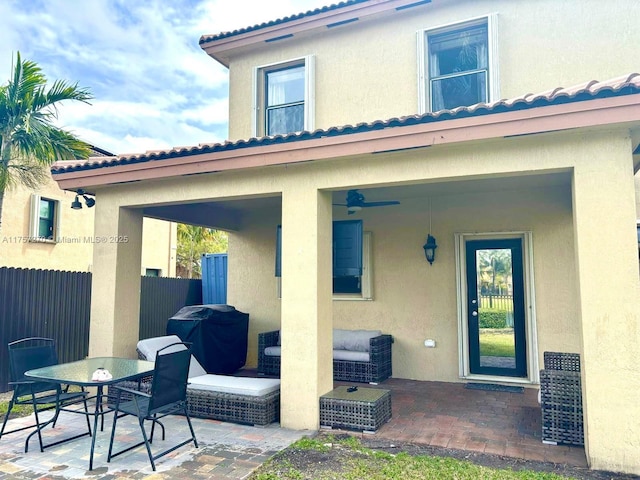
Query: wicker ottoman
{"type": "Point", "coordinates": [364, 409]}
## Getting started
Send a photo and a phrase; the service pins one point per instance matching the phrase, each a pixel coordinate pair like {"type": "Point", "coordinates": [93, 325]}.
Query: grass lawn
{"type": "Point", "coordinates": [346, 458]}
{"type": "Point", "coordinates": [497, 342]}
{"type": "Point", "coordinates": [18, 410]}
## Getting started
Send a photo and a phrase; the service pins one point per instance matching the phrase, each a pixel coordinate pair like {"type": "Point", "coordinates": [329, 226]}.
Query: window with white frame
{"type": "Point", "coordinates": [283, 100]}
{"type": "Point", "coordinates": [347, 285]}
{"type": "Point", "coordinates": [43, 223]}
{"type": "Point", "coordinates": [458, 65]}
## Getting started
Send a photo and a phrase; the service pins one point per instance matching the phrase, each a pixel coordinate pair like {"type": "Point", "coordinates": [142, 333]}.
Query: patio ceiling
{"type": "Point", "coordinates": [229, 214]}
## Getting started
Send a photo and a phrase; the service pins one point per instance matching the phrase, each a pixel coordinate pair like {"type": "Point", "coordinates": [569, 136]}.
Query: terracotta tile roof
{"type": "Point", "coordinates": [310, 13]}
{"type": "Point", "coordinates": [617, 87]}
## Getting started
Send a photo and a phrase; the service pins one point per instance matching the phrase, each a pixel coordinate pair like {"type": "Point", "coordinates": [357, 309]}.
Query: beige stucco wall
{"type": "Point", "coordinates": [368, 71]}
{"type": "Point", "coordinates": [74, 250]}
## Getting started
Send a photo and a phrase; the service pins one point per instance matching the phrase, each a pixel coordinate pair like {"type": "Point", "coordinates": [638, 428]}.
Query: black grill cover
{"type": "Point", "coordinates": [218, 334]}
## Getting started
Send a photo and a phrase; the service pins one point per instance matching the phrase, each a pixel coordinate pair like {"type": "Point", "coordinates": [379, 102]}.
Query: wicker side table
{"type": "Point", "coordinates": [364, 409]}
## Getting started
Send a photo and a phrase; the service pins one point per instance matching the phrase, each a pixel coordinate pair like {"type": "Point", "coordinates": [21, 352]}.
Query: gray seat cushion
{"type": "Point", "coordinates": [337, 354]}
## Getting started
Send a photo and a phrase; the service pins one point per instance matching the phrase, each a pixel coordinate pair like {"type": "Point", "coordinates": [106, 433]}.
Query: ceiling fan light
{"type": "Point", "coordinates": [354, 208]}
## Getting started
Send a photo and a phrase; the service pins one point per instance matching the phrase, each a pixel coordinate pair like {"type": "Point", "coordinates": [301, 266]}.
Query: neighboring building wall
{"type": "Point", "coordinates": [159, 246]}
{"type": "Point", "coordinates": [366, 71]}
{"type": "Point", "coordinates": [74, 249]}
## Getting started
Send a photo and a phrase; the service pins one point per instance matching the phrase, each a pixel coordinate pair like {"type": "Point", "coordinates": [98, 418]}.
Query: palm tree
{"type": "Point", "coordinates": [29, 141]}
{"type": "Point", "coordinates": [193, 241]}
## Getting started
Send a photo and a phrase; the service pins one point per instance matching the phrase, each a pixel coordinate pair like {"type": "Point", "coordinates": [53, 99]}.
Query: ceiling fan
{"type": "Point", "coordinates": [356, 202]}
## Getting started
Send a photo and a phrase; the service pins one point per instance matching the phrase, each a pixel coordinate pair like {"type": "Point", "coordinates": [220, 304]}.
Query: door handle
{"type": "Point", "coordinates": [474, 313]}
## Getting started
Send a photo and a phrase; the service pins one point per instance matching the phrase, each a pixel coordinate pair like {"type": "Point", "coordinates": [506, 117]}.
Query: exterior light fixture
{"type": "Point", "coordinates": [430, 246]}
{"type": "Point", "coordinates": [430, 249]}
{"type": "Point", "coordinates": [76, 205]}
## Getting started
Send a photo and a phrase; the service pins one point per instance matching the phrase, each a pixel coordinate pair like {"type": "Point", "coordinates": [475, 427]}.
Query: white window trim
{"type": "Point", "coordinates": [424, 94]}
{"type": "Point", "coordinates": [366, 279]}
{"type": "Point", "coordinates": [34, 219]}
{"type": "Point", "coordinates": [533, 368]}
{"type": "Point", "coordinates": [257, 110]}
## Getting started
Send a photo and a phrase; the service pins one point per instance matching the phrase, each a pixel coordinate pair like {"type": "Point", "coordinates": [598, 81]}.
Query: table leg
{"type": "Point", "coordinates": [97, 413]}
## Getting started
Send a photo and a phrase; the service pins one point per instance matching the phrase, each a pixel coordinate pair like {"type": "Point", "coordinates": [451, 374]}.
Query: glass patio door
{"type": "Point", "coordinates": [495, 308]}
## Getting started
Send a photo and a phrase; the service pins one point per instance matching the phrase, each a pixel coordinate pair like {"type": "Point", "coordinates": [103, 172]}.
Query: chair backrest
{"type": "Point", "coordinates": [148, 348]}
{"type": "Point", "coordinates": [170, 375]}
{"type": "Point", "coordinates": [28, 354]}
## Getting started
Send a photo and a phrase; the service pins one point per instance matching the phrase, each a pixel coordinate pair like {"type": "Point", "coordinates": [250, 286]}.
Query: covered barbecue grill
{"type": "Point", "coordinates": [218, 334]}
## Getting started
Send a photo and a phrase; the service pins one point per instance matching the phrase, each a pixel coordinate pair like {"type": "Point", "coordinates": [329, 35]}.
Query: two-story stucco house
{"type": "Point", "coordinates": [508, 131]}
{"type": "Point", "coordinates": [40, 229]}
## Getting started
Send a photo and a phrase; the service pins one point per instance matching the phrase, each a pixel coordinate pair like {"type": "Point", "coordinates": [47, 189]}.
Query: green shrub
{"type": "Point", "coordinates": [493, 318]}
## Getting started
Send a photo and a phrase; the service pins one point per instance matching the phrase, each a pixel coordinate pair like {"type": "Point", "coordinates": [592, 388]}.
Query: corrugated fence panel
{"type": "Point", "coordinates": [161, 297]}
{"type": "Point", "coordinates": [44, 303]}
{"type": "Point", "coordinates": [54, 304]}
{"type": "Point", "coordinates": [214, 278]}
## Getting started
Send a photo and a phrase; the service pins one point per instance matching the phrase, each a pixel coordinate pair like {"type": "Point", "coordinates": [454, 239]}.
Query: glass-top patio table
{"type": "Point", "coordinates": [81, 372]}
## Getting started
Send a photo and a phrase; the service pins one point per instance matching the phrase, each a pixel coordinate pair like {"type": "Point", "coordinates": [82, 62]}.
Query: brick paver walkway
{"type": "Point", "coordinates": [227, 451]}
{"type": "Point", "coordinates": [448, 415]}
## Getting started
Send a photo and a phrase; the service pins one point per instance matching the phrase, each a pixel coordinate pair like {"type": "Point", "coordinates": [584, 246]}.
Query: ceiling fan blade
{"type": "Point", "coordinates": [380, 204]}
{"type": "Point", "coordinates": [340, 205]}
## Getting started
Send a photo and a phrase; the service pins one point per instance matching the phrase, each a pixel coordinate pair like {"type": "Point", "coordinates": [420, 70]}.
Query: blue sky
{"type": "Point", "coordinates": [154, 87]}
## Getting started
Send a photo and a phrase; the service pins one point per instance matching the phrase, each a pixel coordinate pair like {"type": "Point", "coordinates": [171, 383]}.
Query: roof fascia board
{"type": "Point", "coordinates": [594, 113]}
{"type": "Point", "coordinates": [220, 49]}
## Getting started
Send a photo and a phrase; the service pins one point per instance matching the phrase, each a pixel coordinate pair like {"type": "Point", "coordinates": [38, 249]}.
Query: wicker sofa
{"type": "Point", "coordinates": [358, 355]}
{"type": "Point", "coordinates": [245, 400]}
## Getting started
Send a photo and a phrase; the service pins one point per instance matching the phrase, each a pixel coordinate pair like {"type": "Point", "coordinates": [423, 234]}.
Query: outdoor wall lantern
{"type": "Point", "coordinates": [430, 249]}
{"type": "Point", "coordinates": [76, 205]}
{"type": "Point", "coordinates": [430, 246]}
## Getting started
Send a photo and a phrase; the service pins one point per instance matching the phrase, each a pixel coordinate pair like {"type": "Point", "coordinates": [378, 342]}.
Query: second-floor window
{"type": "Point", "coordinates": [458, 64]}
{"type": "Point", "coordinates": [458, 68]}
{"type": "Point", "coordinates": [283, 101]}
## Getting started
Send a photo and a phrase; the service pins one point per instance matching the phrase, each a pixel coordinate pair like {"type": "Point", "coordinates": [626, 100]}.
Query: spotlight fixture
{"type": "Point", "coordinates": [90, 202]}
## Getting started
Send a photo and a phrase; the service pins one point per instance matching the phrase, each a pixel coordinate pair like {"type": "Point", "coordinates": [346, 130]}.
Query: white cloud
{"type": "Point", "coordinates": [154, 87]}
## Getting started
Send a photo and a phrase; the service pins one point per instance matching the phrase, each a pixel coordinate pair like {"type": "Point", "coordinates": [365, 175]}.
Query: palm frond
{"type": "Point", "coordinates": [29, 140]}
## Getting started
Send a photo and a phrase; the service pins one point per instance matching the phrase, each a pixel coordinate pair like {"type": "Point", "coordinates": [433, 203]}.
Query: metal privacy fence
{"type": "Point", "coordinates": [55, 304]}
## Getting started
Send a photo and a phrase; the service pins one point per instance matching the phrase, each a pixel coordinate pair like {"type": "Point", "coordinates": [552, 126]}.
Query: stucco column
{"type": "Point", "coordinates": [609, 303]}
{"type": "Point", "coordinates": [115, 287]}
{"type": "Point", "coordinates": [306, 318]}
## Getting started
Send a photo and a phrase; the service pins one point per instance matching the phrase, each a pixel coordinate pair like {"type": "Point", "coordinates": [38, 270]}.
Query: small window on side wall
{"type": "Point", "coordinates": [284, 97]}
{"type": "Point", "coordinates": [44, 221]}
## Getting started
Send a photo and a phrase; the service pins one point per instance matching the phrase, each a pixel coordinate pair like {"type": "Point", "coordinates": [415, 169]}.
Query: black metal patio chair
{"type": "Point", "coordinates": [168, 396]}
{"type": "Point", "coordinates": [28, 354]}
